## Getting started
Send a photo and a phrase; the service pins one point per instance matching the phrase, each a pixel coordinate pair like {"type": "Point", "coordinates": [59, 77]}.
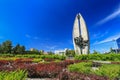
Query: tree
{"type": "Point", "coordinates": [6, 47]}
{"type": "Point", "coordinates": [22, 49]}
{"type": "Point", "coordinates": [18, 49]}
{"type": "Point", "coordinates": [0, 48]}
{"type": "Point", "coordinates": [41, 51]}
{"type": "Point", "coordinates": [95, 52]}
{"type": "Point", "coordinates": [70, 53]}
{"type": "Point", "coordinates": [34, 50]}
{"type": "Point", "coordinates": [50, 53]}
{"type": "Point", "coordinates": [111, 50]}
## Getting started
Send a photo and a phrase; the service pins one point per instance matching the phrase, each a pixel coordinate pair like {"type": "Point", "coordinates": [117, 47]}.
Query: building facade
{"type": "Point", "coordinates": [118, 43]}
{"type": "Point", "coordinates": [61, 52]}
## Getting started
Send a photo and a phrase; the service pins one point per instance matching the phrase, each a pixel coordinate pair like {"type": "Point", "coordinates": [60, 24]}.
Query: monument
{"type": "Point", "coordinates": [80, 36]}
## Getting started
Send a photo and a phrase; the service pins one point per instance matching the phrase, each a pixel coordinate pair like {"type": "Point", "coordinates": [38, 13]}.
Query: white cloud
{"type": "Point", "coordinates": [99, 34]}
{"type": "Point", "coordinates": [51, 47]}
{"type": "Point", "coordinates": [96, 42]}
{"type": "Point", "coordinates": [111, 38]}
{"type": "Point", "coordinates": [28, 36]}
{"type": "Point", "coordinates": [109, 17]}
{"type": "Point", "coordinates": [32, 37]}
{"type": "Point", "coordinates": [103, 34]}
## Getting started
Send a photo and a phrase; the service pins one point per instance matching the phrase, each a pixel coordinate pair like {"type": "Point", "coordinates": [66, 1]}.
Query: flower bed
{"type": "Point", "coordinates": [37, 70]}
{"type": "Point", "coordinates": [58, 69]}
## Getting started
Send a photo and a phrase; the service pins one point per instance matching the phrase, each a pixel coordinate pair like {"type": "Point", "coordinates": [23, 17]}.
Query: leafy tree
{"type": "Point", "coordinates": [111, 50]}
{"type": "Point", "coordinates": [95, 52]}
{"type": "Point", "coordinates": [70, 53]}
{"type": "Point", "coordinates": [50, 52]}
{"type": "Point", "coordinates": [6, 47]}
{"type": "Point", "coordinates": [34, 50]}
{"type": "Point", "coordinates": [22, 49]}
{"type": "Point", "coordinates": [0, 48]}
{"type": "Point", "coordinates": [41, 51]}
{"type": "Point", "coordinates": [18, 49]}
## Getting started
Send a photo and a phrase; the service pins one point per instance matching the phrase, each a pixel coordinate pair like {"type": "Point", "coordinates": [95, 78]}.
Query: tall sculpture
{"type": "Point", "coordinates": [80, 36]}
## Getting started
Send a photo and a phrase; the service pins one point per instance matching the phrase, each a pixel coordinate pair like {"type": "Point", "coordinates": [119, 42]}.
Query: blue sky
{"type": "Point", "coordinates": [47, 24]}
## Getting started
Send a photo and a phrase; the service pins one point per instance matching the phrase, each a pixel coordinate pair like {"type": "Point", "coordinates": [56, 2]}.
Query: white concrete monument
{"type": "Point", "coordinates": [80, 36]}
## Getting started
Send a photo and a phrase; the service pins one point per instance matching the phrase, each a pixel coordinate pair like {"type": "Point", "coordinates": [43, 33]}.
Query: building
{"type": "Point", "coordinates": [31, 49]}
{"type": "Point", "coordinates": [61, 52]}
{"type": "Point", "coordinates": [117, 50]}
{"type": "Point", "coordinates": [118, 43]}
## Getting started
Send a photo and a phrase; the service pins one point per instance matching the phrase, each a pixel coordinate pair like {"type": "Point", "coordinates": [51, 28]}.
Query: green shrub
{"type": "Point", "coordinates": [36, 56]}
{"type": "Point", "coordinates": [111, 71]}
{"type": "Point", "coordinates": [37, 60]}
{"type": "Point", "coordinates": [15, 75]}
{"type": "Point", "coordinates": [103, 57]}
{"type": "Point", "coordinates": [80, 67]}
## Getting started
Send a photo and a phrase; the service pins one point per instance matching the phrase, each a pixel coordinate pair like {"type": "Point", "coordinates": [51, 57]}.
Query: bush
{"type": "Point", "coordinates": [37, 60]}
{"type": "Point", "coordinates": [81, 67]}
{"type": "Point", "coordinates": [111, 71]}
{"type": "Point", "coordinates": [15, 75]}
{"type": "Point", "coordinates": [103, 57]}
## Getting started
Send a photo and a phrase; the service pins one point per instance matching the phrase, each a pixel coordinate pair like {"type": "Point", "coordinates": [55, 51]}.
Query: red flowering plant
{"type": "Point", "coordinates": [48, 70]}
{"type": "Point", "coordinates": [4, 62]}
{"type": "Point", "coordinates": [41, 70]}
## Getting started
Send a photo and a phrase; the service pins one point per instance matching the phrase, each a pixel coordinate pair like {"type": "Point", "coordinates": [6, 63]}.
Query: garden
{"type": "Point", "coordinates": [57, 67]}
{"type": "Point", "coordinates": [18, 64]}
